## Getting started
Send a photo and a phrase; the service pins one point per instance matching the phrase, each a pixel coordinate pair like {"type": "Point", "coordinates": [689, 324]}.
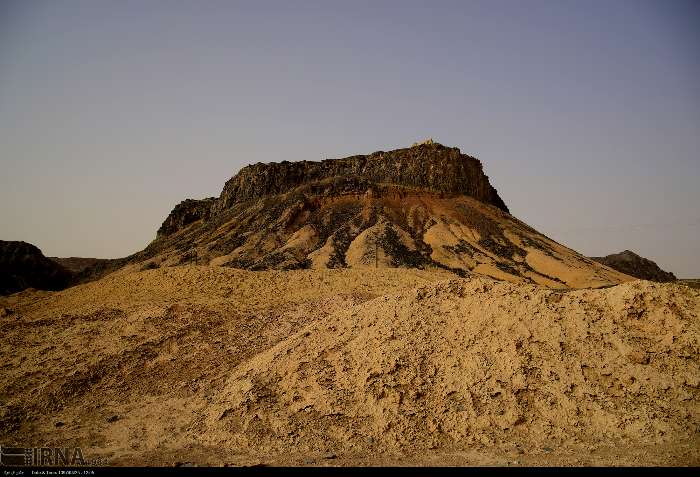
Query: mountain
{"type": "Point", "coordinates": [639, 267]}
{"type": "Point", "coordinates": [427, 206]}
{"type": "Point", "coordinates": [22, 265]}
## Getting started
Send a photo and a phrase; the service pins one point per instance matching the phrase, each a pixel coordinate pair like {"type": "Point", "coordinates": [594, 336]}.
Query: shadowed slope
{"type": "Point", "coordinates": [639, 267]}
{"type": "Point", "coordinates": [22, 265]}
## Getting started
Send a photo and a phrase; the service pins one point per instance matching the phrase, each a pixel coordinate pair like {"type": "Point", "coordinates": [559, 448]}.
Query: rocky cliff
{"type": "Point", "coordinates": [429, 166]}
{"type": "Point", "coordinates": [184, 213]}
{"type": "Point", "coordinates": [639, 267]}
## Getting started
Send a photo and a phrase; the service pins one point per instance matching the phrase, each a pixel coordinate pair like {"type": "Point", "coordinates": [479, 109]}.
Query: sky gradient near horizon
{"type": "Point", "coordinates": [585, 114]}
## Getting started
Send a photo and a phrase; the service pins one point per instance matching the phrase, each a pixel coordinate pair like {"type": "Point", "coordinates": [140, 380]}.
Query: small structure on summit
{"type": "Point", "coordinates": [421, 143]}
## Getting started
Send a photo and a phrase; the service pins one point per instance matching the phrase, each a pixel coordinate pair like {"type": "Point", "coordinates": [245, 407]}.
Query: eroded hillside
{"type": "Point", "coordinates": [426, 207]}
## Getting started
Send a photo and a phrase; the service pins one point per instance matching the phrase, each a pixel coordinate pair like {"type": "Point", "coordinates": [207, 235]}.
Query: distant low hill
{"type": "Point", "coordinates": [22, 265]}
{"type": "Point", "coordinates": [634, 265]}
{"type": "Point", "coordinates": [76, 264]}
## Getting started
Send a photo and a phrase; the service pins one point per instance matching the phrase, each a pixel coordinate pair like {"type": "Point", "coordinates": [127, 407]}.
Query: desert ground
{"type": "Point", "coordinates": [206, 365]}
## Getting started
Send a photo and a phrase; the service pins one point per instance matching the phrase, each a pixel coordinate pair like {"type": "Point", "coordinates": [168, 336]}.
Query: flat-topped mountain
{"type": "Point", "coordinates": [639, 267]}
{"type": "Point", "coordinates": [429, 167]}
{"type": "Point", "coordinates": [427, 206]}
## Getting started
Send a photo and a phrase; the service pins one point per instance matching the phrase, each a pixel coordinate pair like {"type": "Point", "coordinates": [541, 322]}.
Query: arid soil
{"type": "Point", "coordinates": [218, 366]}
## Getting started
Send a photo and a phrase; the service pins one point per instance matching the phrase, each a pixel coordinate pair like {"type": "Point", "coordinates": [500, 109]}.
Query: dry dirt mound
{"type": "Point", "coordinates": [219, 366]}
{"type": "Point", "coordinates": [475, 361]}
{"type": "Point", "coordinates": [122, 366]}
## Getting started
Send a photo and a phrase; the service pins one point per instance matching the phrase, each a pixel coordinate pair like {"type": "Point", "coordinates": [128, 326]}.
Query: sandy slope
{"type": "Point", "coordinates": [388, 366]}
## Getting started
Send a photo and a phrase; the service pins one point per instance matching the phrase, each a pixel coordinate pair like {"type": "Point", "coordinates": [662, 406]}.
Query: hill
{"type": "Point", "coordinates": [77, 265]}
{"type": "Point", "coordinates": [631, 264]}
{"type": "Point", "coordinates": [427, 207]}
{"type": "Point", "coordinates": [23, 265]}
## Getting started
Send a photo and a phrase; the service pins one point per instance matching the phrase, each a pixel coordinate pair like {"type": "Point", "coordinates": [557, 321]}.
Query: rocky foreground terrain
{"type": "Point", "coordinates": [212, 365]}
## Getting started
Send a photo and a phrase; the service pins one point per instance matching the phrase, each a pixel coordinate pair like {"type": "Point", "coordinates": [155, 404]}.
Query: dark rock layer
{"type": "Point", "coordinates": [639, 267]}
{"type": "Point", "coordinates": [184, 213]}
{"type": "Point", "coordinates": [432, 167]}
{"type": "Point", "coordinates": [429, 167]}
{"type": "Point", "coordinates": [77, 265]}
{"type": "Point", "coordinates": [22, 265]}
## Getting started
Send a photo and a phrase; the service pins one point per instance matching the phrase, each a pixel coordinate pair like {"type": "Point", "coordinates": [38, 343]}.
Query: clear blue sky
{"type": "Point", "coordinates": [585, 114]}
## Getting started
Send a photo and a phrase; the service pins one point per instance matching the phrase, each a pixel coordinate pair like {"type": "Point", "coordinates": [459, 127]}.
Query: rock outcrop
{"type": "Point", "coordinates": [639, 267]}
{"type": "Point", "coordinates": [22, 265]}
{"type": "Point", "coordinates": [431, 167]}
{"type": "Point", "coordinates": [184, 213]}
